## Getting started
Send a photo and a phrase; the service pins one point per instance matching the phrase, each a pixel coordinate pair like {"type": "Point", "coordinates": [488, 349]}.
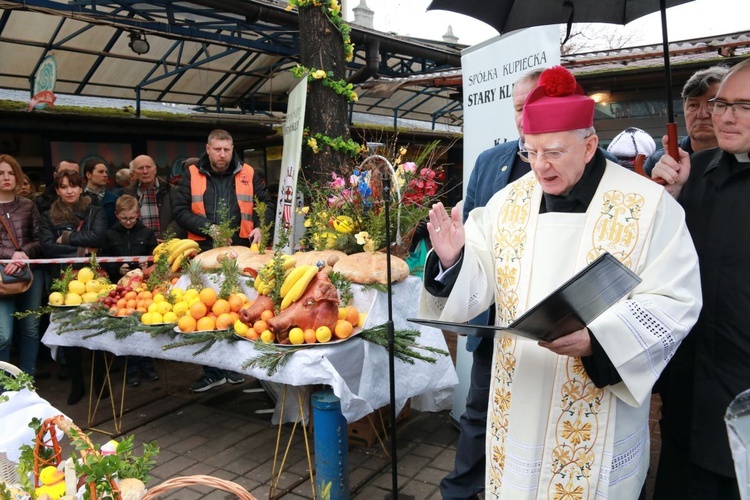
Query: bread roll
{"type": "Point", "coordinates": [366, 268]}
{"type": "Point", "coordinates": [254, 261]}
{"type": "Point", "coordinates": [311, 258]}
{"type": "Point", "coordinates": [210, 259]}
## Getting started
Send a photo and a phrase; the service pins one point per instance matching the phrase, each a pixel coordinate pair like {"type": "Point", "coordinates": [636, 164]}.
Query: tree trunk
{"type": "Point", "coordinates": [321, 47]}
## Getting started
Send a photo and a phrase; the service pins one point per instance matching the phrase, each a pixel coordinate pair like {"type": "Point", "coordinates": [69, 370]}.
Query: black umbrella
{"type": "Point", "coordinates": [510, 15]}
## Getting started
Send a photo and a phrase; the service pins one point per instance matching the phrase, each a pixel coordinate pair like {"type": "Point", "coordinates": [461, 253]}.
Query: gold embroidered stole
{"type": "Point", "coordinates": [581, 421]}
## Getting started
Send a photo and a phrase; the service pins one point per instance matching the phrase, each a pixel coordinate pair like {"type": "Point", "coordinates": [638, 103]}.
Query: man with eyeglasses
{"type": "Point", "coordinates": [568, 417]}
{"type": "Point", "coordinates": [697, 91]}
{"type": "Point", "coordinates": [711, 367]}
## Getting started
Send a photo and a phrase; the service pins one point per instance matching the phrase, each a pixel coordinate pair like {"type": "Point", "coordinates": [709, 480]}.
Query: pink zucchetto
{"type": "Point", "coordinates": [557, 104]}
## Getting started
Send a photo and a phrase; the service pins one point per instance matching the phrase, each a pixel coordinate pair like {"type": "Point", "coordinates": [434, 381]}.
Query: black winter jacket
{"type": "Point", "coordinates": [121, 242]}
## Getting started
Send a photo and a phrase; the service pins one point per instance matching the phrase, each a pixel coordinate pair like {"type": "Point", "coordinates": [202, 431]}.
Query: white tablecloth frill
{"type": "Point", "coordinates": [357, 370]}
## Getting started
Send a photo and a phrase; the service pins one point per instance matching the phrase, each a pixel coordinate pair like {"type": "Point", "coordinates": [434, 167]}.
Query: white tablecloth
{"type": "Point", "coordinates": [357, 370]}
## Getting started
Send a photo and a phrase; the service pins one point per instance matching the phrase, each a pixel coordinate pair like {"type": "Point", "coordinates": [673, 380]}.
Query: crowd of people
{"type": "Point", "coordinates": [566, 418]}
{"type": "Point", "coordinates": [78, 215]}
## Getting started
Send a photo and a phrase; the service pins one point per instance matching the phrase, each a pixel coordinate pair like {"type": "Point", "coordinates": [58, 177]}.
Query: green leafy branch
{"type": "Point", "coordinates": [10, 382]}
{"type": "Point", "coordinates": [265, 226]}
{"type": "Point", "coordinates": [61, 284]}
{"type": "Point", "coordinates": [341, 87]}
{"type": "Point", "coordinates": [404, 343]}
{"type": "Point", "coordinates": [223, 230]}
{"type": "Point", "coordinates": [332, 10]}
{"type": "Point", "coordinates": [231, 278]}
{"type": "Point", "coordinates": [271, 358]}
{"type": "Point", "coordinates": [208, 338]}
{"type": "Point", "coordinates": [343, 285]}
{"type": "Point", "coordinates": [348, 146]}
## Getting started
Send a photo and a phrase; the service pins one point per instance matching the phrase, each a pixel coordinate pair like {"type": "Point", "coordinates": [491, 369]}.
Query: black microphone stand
{"type": "Point", "coordinates": [391, 358]}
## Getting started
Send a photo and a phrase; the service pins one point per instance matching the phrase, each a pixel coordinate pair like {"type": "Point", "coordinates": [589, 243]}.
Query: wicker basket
{"type": "Point", "coordinates": [47, 437]}
{"type": "Point", "coordinates": [198, 480]}
{"type": "Point", "coordinates": [8, 468]}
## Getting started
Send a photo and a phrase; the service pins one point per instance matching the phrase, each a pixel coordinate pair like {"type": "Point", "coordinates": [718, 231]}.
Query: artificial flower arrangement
{"type": "Point", "coordinates": [347, 213]}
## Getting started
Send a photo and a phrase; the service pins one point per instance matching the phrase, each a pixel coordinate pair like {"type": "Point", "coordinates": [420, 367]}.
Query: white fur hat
{"type": "Point", "coordinates": [631, 142]}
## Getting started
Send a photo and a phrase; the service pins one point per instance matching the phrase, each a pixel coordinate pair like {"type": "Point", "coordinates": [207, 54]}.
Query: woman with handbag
{"type": "Point", "coordinates": [72, 227]}
{"type": "Point", "coordinates": [22, 286]}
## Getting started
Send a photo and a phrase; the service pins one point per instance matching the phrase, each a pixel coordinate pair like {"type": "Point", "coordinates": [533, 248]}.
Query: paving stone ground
{"type": "Point", "coordinates": [221, 434]}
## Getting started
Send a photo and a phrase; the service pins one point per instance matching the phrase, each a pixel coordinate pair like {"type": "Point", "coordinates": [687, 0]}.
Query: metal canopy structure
{"type": "Point", "coordinates": [218, 56]}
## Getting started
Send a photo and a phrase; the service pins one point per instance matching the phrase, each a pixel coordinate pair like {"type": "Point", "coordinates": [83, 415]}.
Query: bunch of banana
{"type": "Point", "coordinates": [176, 251]}
{"type": "Point", "coordinates": [266, 280]}
{"type": "Point", "coordinates": [295, 284]}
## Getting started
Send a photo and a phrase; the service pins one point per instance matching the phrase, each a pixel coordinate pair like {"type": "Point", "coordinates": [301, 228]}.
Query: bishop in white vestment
{"type": "Point", "coordinates": [568, 419]}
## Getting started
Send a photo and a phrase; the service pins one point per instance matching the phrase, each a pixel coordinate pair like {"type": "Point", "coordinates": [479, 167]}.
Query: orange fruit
{"type": "Point", "coordinates": [186, 324]}
{"type": "Point", "coordinates": [267, 314]}
{"type": "Point", "coordinates": [198, 310]}
{"type": "Point", "coordinates": [343, 329]}
{"type": "Point", "coordinates": [235, 303]}
{"type": "Point", "coordinates": [130, 304]}
{"type": "Point", "coordinates": [113, 310]}
{"type": "Point", "coordinates": [352, 315]}
{"type": "Point", "coordinates": [205, 323]}
{"type": "Point", "coordinates": [145, 294]}
{"type": "Point", "coordinates": [310, 336]}
{"type": "Point", "coordinates": [122, 303]}
{"type": "Point", "coordinates": [130, 296]}
{"type": "Point", "coordinates": [220, 307]}
{"type": "Point", "coordinates": [141, 309]}
{"type": "Point", "coordinates": [260, 326]}
{"type": "Point", "coordinates": [323, 334]}
{"type": "Point", "coordinates": [121, 312]}
{"type": "Point", "coordinates": [235, 316]}
{"type": "Point", "coordinates": [252, 334]}
{"type": "Point", "coordinates": [224, 321]}
{"type": "Point", "coordinates": [208, 296]}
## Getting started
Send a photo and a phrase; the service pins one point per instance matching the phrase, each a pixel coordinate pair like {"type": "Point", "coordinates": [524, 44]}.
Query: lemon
{"type": "Point", "coordinates": [85, 274]}
{"type": "Point", "coordinates": [156, 318]}
{"type": "Point", "coordinates": [267, 337]}
{"type": "Point", "coordinates": [169, 317]}
{"type": "Point", "coordinates": [163, 307]}
{"type": "Point", "coordinates": [89, 297]}
{"type": "Point", "coordinates": [153, 307]}
{"type": "Point", "coordinates": [323, 334]}
{"type": "Point", "coordinates": [159, 298]}
{"type": "Point", "coordinates": [180, 308]}
{"type": "Point", "coordinates": [147, 318]}
{"type": "Point", "coordinates": [56, 299]}
{"type": "Point", "coordinates": [177, 293]}
{"type": "Point", "coordinates": [297, 336]}
{"type": "Point", "coordinates": [73, 299]}
{"type": "Point", "coordinates": [342, 312]}
{"type": "Point", "coordinates": [241, 328]}
{"type": "Point", "coordinates": [93, 286]}
{"type": "Point", "coordinates": [191, 293]}
{"type": "Point", "coordinates": [77, 287]}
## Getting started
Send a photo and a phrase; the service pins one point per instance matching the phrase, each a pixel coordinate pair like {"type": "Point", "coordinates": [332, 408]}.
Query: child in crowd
{"type": "Point", "coordinates": [129, 236]}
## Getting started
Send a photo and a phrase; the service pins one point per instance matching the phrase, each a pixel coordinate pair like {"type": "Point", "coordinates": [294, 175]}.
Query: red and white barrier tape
{"type": "Point", "coordinates": [82, 260]}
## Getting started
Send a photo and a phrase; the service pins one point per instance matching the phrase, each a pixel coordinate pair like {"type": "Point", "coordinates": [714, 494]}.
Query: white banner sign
{"type": "Point", "coordinates": [286, 211]}
{"type": "Point", "coordinates": [489, 71]}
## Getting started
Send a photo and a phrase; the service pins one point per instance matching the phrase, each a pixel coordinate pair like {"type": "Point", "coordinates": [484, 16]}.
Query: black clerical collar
{"type": "Point", "coordinates": [578, 198]}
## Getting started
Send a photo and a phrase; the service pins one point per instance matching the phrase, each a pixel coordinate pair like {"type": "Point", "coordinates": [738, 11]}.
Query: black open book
{"type": "Point", "coordinates": [575, 304]}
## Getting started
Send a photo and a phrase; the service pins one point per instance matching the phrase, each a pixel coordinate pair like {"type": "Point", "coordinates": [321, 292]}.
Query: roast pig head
{"type": "Point", "coordinates": [318, 306]}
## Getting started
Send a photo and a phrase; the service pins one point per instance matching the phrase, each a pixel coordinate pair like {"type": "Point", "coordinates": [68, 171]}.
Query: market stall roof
{"type": "Point", "coordinates": [219, 56]}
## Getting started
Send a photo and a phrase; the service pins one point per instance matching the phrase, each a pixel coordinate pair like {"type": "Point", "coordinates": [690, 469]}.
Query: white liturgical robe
{"type": "Point", "coordinates": [551, 433]}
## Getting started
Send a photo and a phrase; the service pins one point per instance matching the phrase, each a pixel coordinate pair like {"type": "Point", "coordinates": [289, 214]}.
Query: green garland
{"type": "Point", "coordinates": [272, 357]}
{"type": "Point", "coordinates": [348, 146]}
{"type": "Point", "coordinates": [341, 87]}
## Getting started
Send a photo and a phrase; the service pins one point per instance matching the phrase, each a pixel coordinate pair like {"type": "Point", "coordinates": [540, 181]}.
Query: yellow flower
{"type": "Point", "coordinates": [362, 237]}
{"type": "Point", "coordinates": [402, 151]}
{"type": "Point", "coordinates": [313, 144]}
{"type": "Point", "coordinates": [308, 223]}
{"type": "Point", "coordinates": [305, 210]}
{"type": "Point", "coordinates": [354, 97]}
{"type": "Point", "coordinates": [319, 73]}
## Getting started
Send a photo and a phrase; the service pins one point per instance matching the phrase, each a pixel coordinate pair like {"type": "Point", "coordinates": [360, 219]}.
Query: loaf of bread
{"type": "Point", "coordinates": [211, 259]}
{"type": "Point", "coordinates": [311, 258]}
{"type": "Point", "coordinates": [366, 268]}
